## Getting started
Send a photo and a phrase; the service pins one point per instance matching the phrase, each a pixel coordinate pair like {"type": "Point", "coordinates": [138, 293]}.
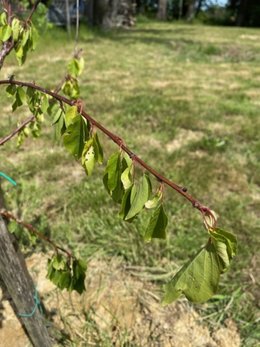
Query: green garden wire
{"type": "Point", "coordinates": [9, 179]}
{"type": "Point", "coordinates": [37, 304]}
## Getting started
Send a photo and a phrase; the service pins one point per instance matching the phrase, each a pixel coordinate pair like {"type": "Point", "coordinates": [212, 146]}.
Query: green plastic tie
{"type": "Point", "coordinates": [9, 179]}
{"type": "Point", "coordinates": [37, 304]}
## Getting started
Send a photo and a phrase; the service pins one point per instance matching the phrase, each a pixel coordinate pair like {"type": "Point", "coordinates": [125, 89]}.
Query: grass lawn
{"type": "Point", "coordinates": [186, 99]}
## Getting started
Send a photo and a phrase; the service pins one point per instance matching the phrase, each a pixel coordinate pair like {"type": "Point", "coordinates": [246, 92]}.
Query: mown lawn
{"type": "Point", "coordinates": [186, 99]}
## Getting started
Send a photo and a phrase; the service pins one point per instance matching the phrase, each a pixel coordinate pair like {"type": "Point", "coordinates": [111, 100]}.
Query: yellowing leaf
{"type": "Point", "coordinates": [97, 149]}
{"type": "Point", "coordinates": [88, 157]}
{"type": "Point", "coordinates": [71, 115]}
{"type": "Point", "coordinates": [5, 32]}
{"type": "Point", "coordinates": [127, 177]}
{"type": "Point", "coordinates": [155, 201]}
{"type": "Point", "coordinates": [16, 29]}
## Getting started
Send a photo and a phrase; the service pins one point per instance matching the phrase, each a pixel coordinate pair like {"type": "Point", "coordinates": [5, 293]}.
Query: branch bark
{"type": "Point", "coordinates": [5, 139]}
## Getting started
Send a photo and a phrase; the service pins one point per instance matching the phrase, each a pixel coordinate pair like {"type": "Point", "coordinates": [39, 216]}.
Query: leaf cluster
{"type": "Point", "coordinates": [67, 273]}
{"type": "Point", "coordinates": [23, 35]}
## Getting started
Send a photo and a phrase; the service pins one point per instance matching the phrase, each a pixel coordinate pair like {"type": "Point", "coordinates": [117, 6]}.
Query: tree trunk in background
{"type": "Point", "coordinates": [198, 7]}
{"type": "Point", "coordinates": [180, 9]}
{"type": "Point", "coordinates": [89, 12]}
{"type": "Point", "coordinates": [245, 12]}
{"type": "Point", "coordinates": [162, 10]}
{"type": "Point", "coordinates": [68, 26]}
{"type": "Point", "coordinates": [111, 13]}
{"type": "Point", "coordinates": [190, 10]}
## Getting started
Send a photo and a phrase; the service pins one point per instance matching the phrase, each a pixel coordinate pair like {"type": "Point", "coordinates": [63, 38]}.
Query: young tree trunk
{"type": "Point", "coordinates": [162, 10]}
{"type": "Point", "coordinates": [14, 274]}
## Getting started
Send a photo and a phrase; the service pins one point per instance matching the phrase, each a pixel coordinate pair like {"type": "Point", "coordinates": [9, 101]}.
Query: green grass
{"type": "Point", "coordinates": [186, 99]}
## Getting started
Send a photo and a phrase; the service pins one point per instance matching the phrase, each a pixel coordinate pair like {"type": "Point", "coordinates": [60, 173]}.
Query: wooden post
{"type": "Point", "coordinates": [19, 284]}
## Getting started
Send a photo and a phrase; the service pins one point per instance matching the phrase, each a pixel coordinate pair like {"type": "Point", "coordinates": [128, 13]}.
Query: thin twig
{"type": "Point", "coordinates": [34, 8]}
{"type": "Point", "coordinates": [117, 140]}
{"type": "Point", "coordinates": [3, 140]}
{"type": "Point", "coordinates": [8, 215]}
{"type": "Point", "coordinates": [8, 45]}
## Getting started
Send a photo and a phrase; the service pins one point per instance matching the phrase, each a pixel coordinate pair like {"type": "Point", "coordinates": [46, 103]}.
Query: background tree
{"type": "Point", "coordinates": [162, 10]}
{"type": "Point", "coordinates": [246, 12]}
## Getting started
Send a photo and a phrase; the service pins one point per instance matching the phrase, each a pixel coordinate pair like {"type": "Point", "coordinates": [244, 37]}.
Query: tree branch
{"type": "Point", "coordinates": [9, 44]}
{"type": "Point", "coordinates": [34, 8]}
{"type": "Point", "coordinates": [8, 215]}
{"type": "Point", "coordinates": [3, 140]}
{"type": "Point", "coordinates": [119, 142]}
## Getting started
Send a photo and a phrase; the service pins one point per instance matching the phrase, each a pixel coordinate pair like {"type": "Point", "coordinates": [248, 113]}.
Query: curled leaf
{"type": "Point", "coordinates": [198, 279]}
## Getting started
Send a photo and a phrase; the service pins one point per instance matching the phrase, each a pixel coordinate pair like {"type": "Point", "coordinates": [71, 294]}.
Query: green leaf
{"type": "Point", "coordinates": [75, 137]}
{"type": "Point", "coordinates": [22, 95]}
{"type": "Point", "coordinates": [198, 279]}
{"type": "Point", "coordinates": [88, 157]}
{"type": "Point", "coordinates": [98, 149]}
{"type": "Point", "coordinates": [226, 246]}
{"type": "Point", "coordinates": [34, 37]}
{"type": "Point", "coordinates": [67, 273]}
{"type": "Point", "coordinates": [45, 104]}
{"type": "Point", "coordinates": [64, 280]}
{"type": "Point", "coordinates": [71, 115]}
{"type": "Point", "coordinates": [157, 225]}
{"type": "Point", "coordinates": [59, 262]}
{"type": "Point", "coordinates": [78, 276]}
{"type": "Point", "coordinates": [11, 90]}
{"type": "Point", "coordinates": [23, 45]}
{"type": "Point", "coordinates": [112, 178]}
{"type": "Point", "coordinates": [3, 18]}
{"type": "Point", "coordinates": [75, 67]}
{"type": "Point", "coordinates": [113, 171]}
{"type": "Point", "coordinates": [25, 37]}
{"type": "Point", "coordinates": [127, 177]}
{"type": "Point", "coordinates": [230, 238]}
{"type": "Point", "coordinates": [58, 120]}
{"type": "Point", "coordinates": [153, 203]}
{"type": "Point", "coordinates": [139, 196]}
{"type": "Point", "coordinates": [16, 29]}
{"type": "Point", "coordinates": [5, 32]}
{"type": "Point", "coordinates": [126, 203]}
{"type": "Point", "coordinates": [71, 88]}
